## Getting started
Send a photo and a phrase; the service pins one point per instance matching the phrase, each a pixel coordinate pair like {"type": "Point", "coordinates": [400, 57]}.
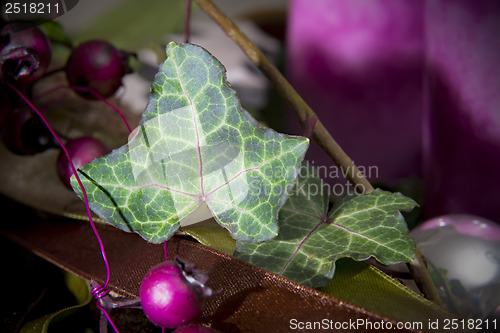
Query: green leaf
{"type": "Point", "coordinates": [132, 24]}
{"type": "Point", "coordinates": [196, 154]}
{"type": "Point", "coordinates": [210, 234]}
{"type": "Point", "coordinates": [311, 240]}
{"type": "Point", "coordinates": [365, 286]}
{"type": "Point", "coordinates": [56, 33]}
{"type": "Point", "coordinates": [80, 289]}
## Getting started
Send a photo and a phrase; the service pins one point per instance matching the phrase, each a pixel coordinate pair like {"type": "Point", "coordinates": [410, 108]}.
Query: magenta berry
{"type": "Point", "coordinates": [25, 54]}
{"type": "Point", "coordinates": [97, 65]}
{"type": "Point", "coordinates": [169, 296]}
{"type": "Point", "coordinates": [82, 151]}
{"type": "Point", "coordinates": [23, 133]}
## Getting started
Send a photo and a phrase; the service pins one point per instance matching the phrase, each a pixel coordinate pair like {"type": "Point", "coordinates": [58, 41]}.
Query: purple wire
{"type": "Point", "coordinates": [107, 317]}
{"type": "Point", "coordinates": [98, 291]}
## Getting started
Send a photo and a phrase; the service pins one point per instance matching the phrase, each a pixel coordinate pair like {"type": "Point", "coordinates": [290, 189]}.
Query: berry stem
{"type": "Point", "coordinates": [187, 20]}
{"type": "Point", "coordinates": [105, 313]}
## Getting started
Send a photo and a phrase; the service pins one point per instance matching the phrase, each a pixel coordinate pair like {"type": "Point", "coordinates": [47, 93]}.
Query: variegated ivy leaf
{"type": "Point", "coordinates": [195, 151]}
{"type": "Point", "coordinates": [311, 239]}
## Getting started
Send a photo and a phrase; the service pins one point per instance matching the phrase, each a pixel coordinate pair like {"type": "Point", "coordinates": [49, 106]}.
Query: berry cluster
{"type": "Point", "coordinates": [94, 68]}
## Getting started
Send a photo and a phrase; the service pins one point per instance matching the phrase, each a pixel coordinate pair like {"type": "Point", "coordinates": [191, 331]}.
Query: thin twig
{"type": "Point", "coordinates": [321, 134]}
{"type": "Point", "coordinates": [422, 277]}
{"type": "Point", "coordinates": [288, 93]}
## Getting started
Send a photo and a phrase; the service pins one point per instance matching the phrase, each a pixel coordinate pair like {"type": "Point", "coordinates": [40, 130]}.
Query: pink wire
{"type": "Point", "coordinates": [100, 291]}
{"type": "Point", "coordinates": [107, 317]}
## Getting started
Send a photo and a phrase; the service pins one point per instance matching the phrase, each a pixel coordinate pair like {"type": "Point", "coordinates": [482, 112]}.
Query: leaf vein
{"type": "Point", "coordinates": [198, 148]}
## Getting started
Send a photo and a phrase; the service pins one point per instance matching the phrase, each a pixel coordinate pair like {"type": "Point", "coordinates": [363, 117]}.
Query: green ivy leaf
{"type": "Point", "coordinates": [311, 239]}
{"type": "Point", "coordinates": [363, 285]}
{"type": "Point", "coordinates": [196, 153]}
{"type": "Point", "coordinates": [209, 233]}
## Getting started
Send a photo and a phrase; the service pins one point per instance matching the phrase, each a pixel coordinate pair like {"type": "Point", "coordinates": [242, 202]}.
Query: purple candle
{"type": "Point", "coordinates": [359, 65]}
{"type": "Point", "coordinates": [462, 113]}
{"type": "Point", "coordinates": [365, 69]}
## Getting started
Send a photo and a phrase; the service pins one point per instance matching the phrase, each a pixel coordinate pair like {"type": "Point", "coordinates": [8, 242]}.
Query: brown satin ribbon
{"type": "Point", "coordinates": [246, 298]}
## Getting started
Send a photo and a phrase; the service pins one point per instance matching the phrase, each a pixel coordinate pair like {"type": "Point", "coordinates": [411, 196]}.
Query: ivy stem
{"type": "Point", "coordinates": [321, 135]}
{"type": "Point", "coordinates": [422, 277]}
